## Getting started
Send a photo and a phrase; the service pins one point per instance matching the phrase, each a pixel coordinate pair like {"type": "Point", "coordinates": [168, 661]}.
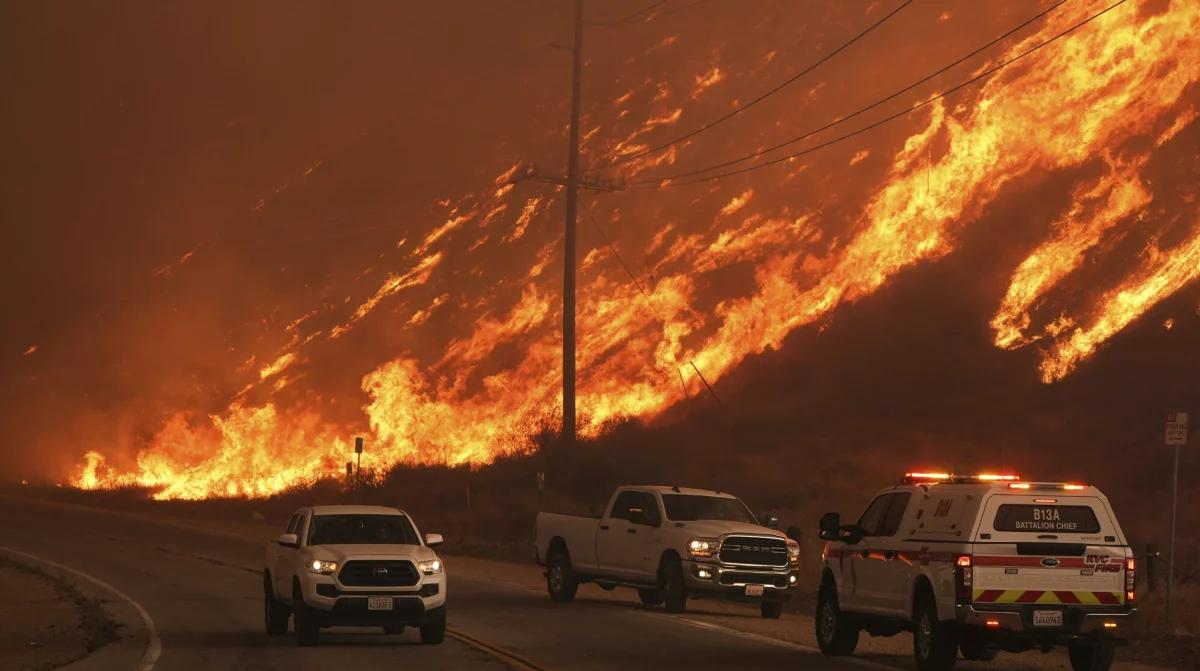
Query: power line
{"type": "Point", "coordinates": [669, 181]}
{"type": "Point", "coordinates": [587, 208]}
{"type": "Point", "coordinates": [779, 87]}
{"type": "Point", "coordinates": [626, 19]}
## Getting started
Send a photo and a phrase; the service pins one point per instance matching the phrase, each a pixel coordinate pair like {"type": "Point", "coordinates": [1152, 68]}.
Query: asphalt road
{"type": "Point", "coordinates": [201, 590]}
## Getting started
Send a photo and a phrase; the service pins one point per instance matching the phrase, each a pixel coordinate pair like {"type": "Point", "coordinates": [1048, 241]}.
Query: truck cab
{"type": "Point", "coordinates": [671, 544]}
{"type": "Point", "coordinates": [979, 564]}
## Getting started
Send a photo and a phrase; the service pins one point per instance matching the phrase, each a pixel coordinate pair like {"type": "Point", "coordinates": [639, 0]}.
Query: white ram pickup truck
{"type": "Point", "coordinates": [359, 566]}
{"type": "Point", "coordinates": [977, 564]}
{"type": "Point", "coordinates": [670, 544]}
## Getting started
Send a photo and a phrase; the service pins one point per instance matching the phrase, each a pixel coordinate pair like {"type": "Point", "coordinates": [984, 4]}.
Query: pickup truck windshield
{"type": "Point", "coordinates": [361, 529]}
{"type": "Point", "coordinates": [692, 507]}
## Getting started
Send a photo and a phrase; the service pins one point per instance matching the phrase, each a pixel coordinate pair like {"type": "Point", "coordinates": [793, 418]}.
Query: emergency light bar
{"type": "Point", "coordinates": [1047, 486]}
{"type": "Point", "coordinates": [929, 478]}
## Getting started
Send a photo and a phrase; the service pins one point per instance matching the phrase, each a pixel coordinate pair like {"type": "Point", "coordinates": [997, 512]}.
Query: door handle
{"type": "Point", "coordinates": [631, 530]}
{"type": "Point", "coordinates": [604, 527]}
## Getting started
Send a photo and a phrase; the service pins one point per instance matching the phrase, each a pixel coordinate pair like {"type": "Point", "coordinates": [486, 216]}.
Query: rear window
{"type": "Point", "coordinates": [1047, 519]}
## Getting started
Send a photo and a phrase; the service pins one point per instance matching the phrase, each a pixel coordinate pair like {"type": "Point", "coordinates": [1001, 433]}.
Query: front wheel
{"type": "Point", "coordinates": [308, 629]}
{"type": "Point", "coordinates": [434, 629]}
{"type": "Point", "coordinates": [1091, 657]}
{"type": "Point", "coordinates": [275, 613]}
{"type": "Point", "coordinates": [935, 646]}
{"type": "Point", "coordinates": [837, 635]}
{"type": "Point", "coordinates": [673, 587]}
{"type": "Point", "coordinates": [561, 581]}
{"type": "Point", "coordinates": [772, 610]}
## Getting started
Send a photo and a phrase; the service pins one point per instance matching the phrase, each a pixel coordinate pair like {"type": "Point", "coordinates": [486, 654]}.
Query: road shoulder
{"type": "Point", "coordinates": [58, 623]}
{"type": "Point", "coordinates": [67, 621]}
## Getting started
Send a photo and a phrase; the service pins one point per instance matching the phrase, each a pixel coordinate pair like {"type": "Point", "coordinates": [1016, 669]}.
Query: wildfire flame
{"type": "Point", "coordinates": [1076, 105]}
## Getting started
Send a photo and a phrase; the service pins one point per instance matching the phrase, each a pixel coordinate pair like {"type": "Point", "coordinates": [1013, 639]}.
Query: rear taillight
{"type": "Point", "coordinates": [1130, 578]}
{"type": "Point", "coordinates": [962, 579]}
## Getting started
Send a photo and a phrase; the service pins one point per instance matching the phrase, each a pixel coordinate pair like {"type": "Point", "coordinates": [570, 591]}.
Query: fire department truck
{"type": "Point", "coordinates": [979, 564]}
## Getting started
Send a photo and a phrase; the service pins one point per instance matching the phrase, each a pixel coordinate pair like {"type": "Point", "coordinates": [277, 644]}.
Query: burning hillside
{"type": "Point", "coordinates": [718, 265]}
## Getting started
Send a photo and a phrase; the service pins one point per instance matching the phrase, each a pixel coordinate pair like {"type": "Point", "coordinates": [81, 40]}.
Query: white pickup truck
{"type": "Point", "coordinates": [670, 543]}
{"type": "Point", "coordinates": [978, 564]}
{"type": "Point", "coordinates": [361, 566]}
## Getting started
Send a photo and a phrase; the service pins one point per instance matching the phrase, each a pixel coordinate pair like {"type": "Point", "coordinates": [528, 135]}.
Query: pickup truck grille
{"type": "Point", "coordinates": [379, 573]}
{"type": "Point", "coordinates": [753, 551]}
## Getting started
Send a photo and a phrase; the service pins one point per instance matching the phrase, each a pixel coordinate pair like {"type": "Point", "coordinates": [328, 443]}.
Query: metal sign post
{"type": "Point", "coordinates": [358, 447]}
{"type": "Point", "coordinates": [1177, 438]}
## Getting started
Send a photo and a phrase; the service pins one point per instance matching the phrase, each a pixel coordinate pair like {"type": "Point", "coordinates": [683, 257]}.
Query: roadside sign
{"type": "Point", "coordinates": [1177, 428]}
{"type": "Point", "coordinates": [358, 445]}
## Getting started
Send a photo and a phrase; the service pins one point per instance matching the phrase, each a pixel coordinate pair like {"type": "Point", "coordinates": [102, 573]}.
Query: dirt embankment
{"type": "Point", "coordinates": [56, 624]}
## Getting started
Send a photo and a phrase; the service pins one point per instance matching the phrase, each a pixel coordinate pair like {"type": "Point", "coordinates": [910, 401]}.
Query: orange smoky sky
{"type": "Point", "coordinates": [241, 234]}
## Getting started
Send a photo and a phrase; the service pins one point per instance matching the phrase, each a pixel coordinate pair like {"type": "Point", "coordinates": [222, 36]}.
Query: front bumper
{"type": "Point", "coordinates": [730, 582]}
{"type": "Point", "coordinates": [1016, 622]}
{"type": "Point", "coordinates": [336, 603]}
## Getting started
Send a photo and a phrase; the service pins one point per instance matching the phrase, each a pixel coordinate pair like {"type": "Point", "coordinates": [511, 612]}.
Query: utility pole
{"type": "Point", "coordinates": [568, 390]}
{"type": "Point", "coordinates": [571, 182]}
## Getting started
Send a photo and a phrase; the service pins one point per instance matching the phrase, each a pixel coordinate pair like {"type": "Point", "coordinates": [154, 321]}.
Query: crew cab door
{"type": "Point", "coordinates": [285, 563]}
{"type": "Point", "coordinates": [879, 578]}
{"type": "Point", "coordinates": [626, 535]}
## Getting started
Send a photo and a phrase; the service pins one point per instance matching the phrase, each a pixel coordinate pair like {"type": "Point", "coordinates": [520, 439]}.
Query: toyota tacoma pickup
{"type": "Point", "coordinates": [979, 564]}
{"type": "Point", "coordinates": [670, 544]}
{"type": "Point", "coordinates": [361, 566]}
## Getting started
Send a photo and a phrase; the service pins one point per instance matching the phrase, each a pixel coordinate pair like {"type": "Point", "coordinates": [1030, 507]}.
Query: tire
{"type": "Point", "coordinates": [308, 630]}
{"type": "Point", "coordinates": [275, 614]}
{"type": "Point", "coordinates": [976, 651]}
{"type": "Point", "coordinates": [393, 629]}
{"type": "Point", "coordinates": [433, 631]}
{"type": "Point", "coordinates": [561, 581]}
{"type": "Point", "coordinates": [837, 634]}
{"type": "Point", "coordinates": [674, 590]}
{"type": "Point", "coordinates": [650, 597]}
{"type": "Point", "coordinates": [1091, 657]}
{"type": "Point", "coordinates": [935, 645]}
{"type": "Point", "coordinates": [772, 610]}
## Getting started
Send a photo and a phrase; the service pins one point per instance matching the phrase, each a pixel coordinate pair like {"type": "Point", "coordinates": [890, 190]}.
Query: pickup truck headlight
{"type": "Point", "coordinates": [703, 548]}
{"type": "Point", "coordinates": [793, 549]}
{"type": "Point", "coordinates": [322, 567]}
{"type": "Point", "coordinates": [430, 566]}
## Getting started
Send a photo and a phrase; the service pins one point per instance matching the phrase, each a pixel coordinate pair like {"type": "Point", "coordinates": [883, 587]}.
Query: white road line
{"type": "Point", "coordinates": [776, 642]}
{"type": "Point", "coordinates": [153, 644]}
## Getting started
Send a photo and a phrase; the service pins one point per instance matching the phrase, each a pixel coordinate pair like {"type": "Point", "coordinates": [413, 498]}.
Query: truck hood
{"type": "Point", "coordinates": [341, 553]}
{"type": "Point", "coordinates": [715, 528]}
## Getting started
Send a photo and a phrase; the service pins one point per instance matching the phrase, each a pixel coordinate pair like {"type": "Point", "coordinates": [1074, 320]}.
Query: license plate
{"type": "Point", "coordinates": [1047, 618]}
{"type": "Point", "coordinates": [755, 590]}
{"type": "Point", "coordinates": [379, 603]}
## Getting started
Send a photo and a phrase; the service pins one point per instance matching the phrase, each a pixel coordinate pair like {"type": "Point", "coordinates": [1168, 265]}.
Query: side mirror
{"type": "Point", "coordinates": [771, 522]}
{"type": "Point", "coordinates": [288, 540]}
{"type": "Point", "coordinates": [831, 527]}
{"type": "Point", "coordinates": [434, 540]}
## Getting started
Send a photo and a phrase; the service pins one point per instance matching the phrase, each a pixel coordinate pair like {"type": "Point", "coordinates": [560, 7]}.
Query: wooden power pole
{"type": "Point", "coordinates": [568, 390]}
